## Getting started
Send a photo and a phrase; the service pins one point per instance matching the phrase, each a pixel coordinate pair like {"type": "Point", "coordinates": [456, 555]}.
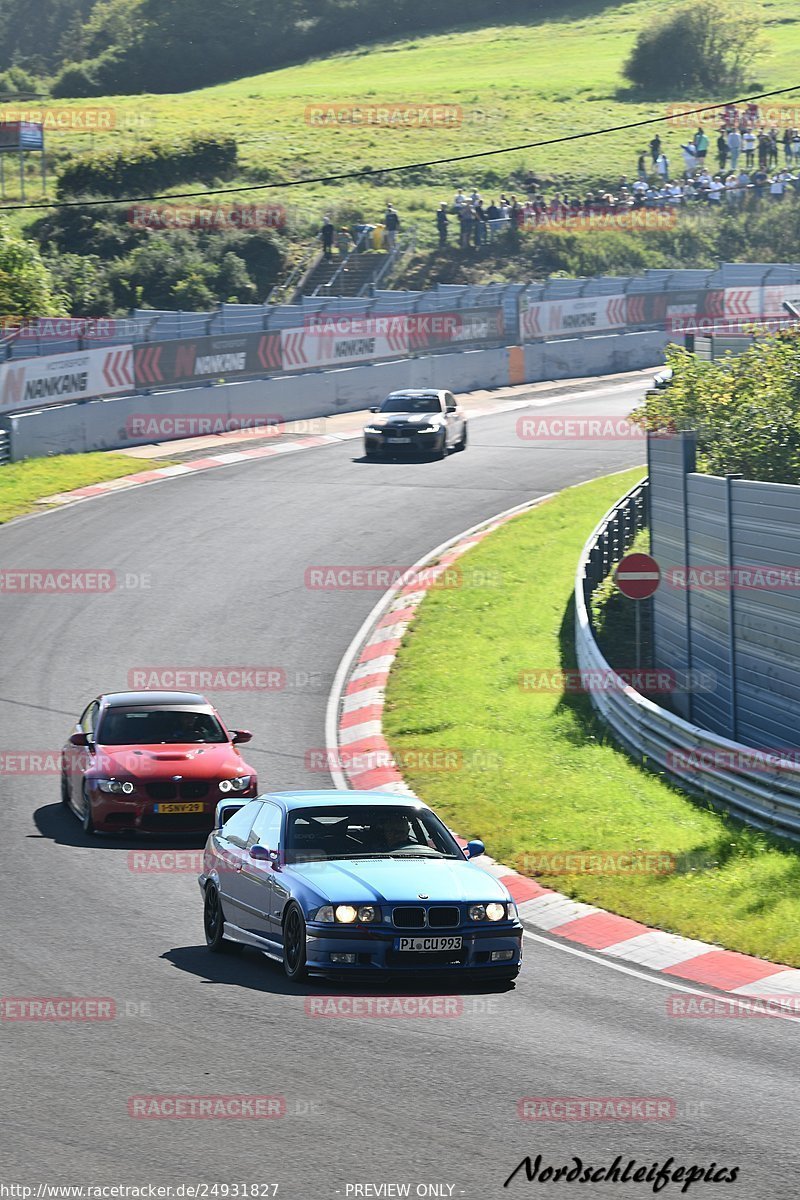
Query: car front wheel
{"type": "Point", "coordinates": [214, 923]}
{"type": "Point", "coordinates": [294, 944]}
{"type": "Point", "coordinates": [461, 444]}
{"type": "Point", "coordinates": [87, 820]}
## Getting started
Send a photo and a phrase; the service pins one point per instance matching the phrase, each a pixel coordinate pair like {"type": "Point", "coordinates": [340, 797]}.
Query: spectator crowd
{"type": "Point", "coordinates": [753, 162]}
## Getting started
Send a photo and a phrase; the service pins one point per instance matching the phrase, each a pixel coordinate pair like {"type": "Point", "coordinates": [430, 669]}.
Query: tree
{"type": "Point", "coordinates": [26, 286]}
{"type": "Point", "coordinates": [704, 48]}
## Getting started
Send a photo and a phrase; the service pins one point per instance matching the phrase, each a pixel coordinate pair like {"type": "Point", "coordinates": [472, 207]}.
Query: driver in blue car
{"type": "Point", "coordinates": [390, 832]}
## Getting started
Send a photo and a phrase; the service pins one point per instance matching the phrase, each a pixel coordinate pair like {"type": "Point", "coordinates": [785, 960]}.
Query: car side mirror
{"type": "Point", "coordinates": [375, 409]}
{"type": "Point", "coordinates": [474, 848]}
{"type": "Point", "coordinates": [451, 408]}
{"type": "Point", "coordinates": [263, 854]}
{"type": "Point", "coordinates": [80, 739]}
{"type": "Point", "coordinates": [241, 735]}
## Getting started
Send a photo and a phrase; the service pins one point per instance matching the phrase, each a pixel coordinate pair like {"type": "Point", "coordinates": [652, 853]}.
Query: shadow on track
{"type": "Point", "coordinates": [58, 825]}
{"type": "Point", "coordinates": [249, 969]}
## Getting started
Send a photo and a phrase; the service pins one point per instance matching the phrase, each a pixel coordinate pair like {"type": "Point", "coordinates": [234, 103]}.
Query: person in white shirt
{"type": "Point", "coordinates": [676, 193]}
{"type": "Point", "coordinates": [732, 190]}
{"type": "Point", "coordinates": [662, 166]}
{"type": "Point", "coordinates": [715, 190]}
{"type": "Point", "coordinates": [459, 200]}
{"type": "Point", "coordinates": [778, 185]}
{"type": "Point", "coordinates": [734, 147]}
{"type": "Point", "coordinates": [749, 142]}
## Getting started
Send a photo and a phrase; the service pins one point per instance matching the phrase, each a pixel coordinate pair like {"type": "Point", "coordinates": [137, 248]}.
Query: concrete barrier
{"type": "Point", "coordinates": [111, 424]}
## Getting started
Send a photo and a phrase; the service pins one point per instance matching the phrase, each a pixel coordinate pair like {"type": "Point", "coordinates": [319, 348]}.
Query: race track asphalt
{"type": "Point", "coordinates": [218, 561]}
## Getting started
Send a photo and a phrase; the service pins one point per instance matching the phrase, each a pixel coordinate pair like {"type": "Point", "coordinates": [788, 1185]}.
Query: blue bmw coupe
{"type": "Point", "coordinates": [340, 883]}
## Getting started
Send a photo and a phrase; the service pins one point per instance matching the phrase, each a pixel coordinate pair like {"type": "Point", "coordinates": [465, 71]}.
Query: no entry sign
{"type": "Point", "coordinates": [637, 576]}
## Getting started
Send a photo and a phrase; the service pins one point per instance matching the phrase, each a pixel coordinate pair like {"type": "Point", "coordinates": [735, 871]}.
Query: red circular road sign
{"type": "Point", "coordinates": [637, 576]}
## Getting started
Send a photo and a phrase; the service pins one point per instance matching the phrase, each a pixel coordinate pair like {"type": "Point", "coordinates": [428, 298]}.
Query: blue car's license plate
{"type": "Point", "coordinates": [428, 943]}
{"type": "Point", "coordinates": [397, 441]}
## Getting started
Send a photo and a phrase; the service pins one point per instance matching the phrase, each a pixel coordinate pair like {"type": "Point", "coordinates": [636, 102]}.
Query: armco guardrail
{"type": "Point", "coordinates": [763, 791]}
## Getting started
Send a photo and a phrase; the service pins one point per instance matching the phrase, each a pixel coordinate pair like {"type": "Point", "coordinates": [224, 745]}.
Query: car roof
{"type": "Point", "coordinates": [125, 699]}
{"type": "Point", "coordinates": [423, 392]}
{"type": "Point", "coordinates": [332, 798]}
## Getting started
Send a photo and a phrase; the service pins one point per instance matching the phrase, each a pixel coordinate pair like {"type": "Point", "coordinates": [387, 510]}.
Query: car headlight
{"type": "Point", "coordinates": [488, 912]}
{"type": "Point", "coordinates": [348, 914]}
{"type": "Point", "coordinates": [115, 787]}
{"type": "Point", "coordinates": [373, 429]}
{"type": "Point", "coordinates": [324, 914]}
{"type": "Point", "coordinates": [477, 912]}
{"type": "Point", "coordinates": [428, 428]}
{"type": "Point", "coordinates": [240, 784]}
{"type": "Point", "coordinates": [496, 912]}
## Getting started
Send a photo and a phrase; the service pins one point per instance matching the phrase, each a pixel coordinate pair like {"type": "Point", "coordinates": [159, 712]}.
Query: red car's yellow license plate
{"type": "Point", "coordinates": [178, 808]}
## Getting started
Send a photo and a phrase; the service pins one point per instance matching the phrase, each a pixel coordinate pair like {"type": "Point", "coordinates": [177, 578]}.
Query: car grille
{"type": "Point", "coordinates": [418, 917]}
{"type": "Point", "coordinates": [187, 789]}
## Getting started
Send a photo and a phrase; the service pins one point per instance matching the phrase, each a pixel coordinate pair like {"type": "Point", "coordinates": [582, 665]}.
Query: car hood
{"type": "Point", "coordinates": [387, 420]}
{"type": "Point", "coordinates": [401, 881]}
{"type": "Point", "coordinates": [190, 761]}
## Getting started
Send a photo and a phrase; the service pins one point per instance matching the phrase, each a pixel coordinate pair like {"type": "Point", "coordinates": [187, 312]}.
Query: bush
{"type": "Point", "coordinates": [745, 409]}
{"type": "Point", "coordinates": [155, 168]}
{"type": "Point", "coordinates": [76, 81]}
{"type": "Point", "coordinates": [698, 47]}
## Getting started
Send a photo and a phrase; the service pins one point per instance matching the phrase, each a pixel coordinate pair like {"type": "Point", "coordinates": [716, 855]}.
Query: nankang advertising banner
{"type": "Point", "coordinates": [83, 375]}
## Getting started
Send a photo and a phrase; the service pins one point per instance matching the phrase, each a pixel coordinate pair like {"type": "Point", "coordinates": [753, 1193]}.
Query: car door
{"type": "Point", "coordinates": [257, 876]}
{"type": "Point", "coordinates": [455, 420]}
{"type": "Point", "coordinates": [231, 850]}
{"type": "Point", "coordinates": [80, 758]}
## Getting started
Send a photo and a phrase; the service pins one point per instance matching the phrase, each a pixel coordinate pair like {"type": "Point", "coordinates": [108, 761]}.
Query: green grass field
{"type": "Point", "coordinates": [513, 85]}
{"type": "Point", "coordinates": [538, 773]}
{"type": "Point", "coordinates": [23, 483]}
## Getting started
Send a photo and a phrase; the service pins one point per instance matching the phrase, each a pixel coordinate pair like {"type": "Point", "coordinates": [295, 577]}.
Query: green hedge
{"type": "Point", "coordinates": [155, 167]}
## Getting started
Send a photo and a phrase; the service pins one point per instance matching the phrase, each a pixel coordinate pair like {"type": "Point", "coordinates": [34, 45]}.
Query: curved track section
{"type": "Point", "coordinates": [216, 573]}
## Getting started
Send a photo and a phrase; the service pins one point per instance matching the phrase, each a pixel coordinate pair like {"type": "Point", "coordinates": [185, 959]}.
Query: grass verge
{"type": "Point", "coordinates": [538, 773]}
{"type": "Point", "coordinates": [23, 483]}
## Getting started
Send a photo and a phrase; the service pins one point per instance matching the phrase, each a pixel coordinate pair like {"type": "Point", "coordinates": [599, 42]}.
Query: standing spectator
{"type": "Point", "coordinates": [732, 190]}
{"type": "Point", "coordinates": [662, 166]}
{"type": "Point", "coordinates": [787, 145]}
{"type": "Point", "coordinates": [701, 144]}
{"type": "Point", "coordinates": [459, 200]}
{"type": "Point", "coordinates": [749, 146]}
{"type": "Point", "coordinates": [641, 166]}
{"type": "Point", "coordinates": [796, 147]}
{"type": "Point", "coordinates": [715, 190]}
{"type": "Point", "coordinates": [734, 147]}
{"type": "Point", "coordinates": [773, 146]}
{"type": "Point", "coordinates": [759, 180]}
{"type": "Point", "coordinates": [778, 185]}
{"type": "Point", "coordinates": [763, 149]}
{"type": "Point", "coordinates": [467, 222]}
{"type": "Point", "coordinates": [722, 149]}
{"type": "Point", "coordinates": [392, 224]}
{"type": "Point", "coordinates": [493, 215]}
{"type": "Point", "coordinates": [479, 215]}
{"type": "Point", "coordinates": [327, 233]}
{"type": "Point", "coordinates": [655, 148]}
{"type": "Point", "coordinates": [442, 221]}
{"type": "Point", "coordinates": [689, 156]}
{"type": "Point", "coordinates": [744, 186]}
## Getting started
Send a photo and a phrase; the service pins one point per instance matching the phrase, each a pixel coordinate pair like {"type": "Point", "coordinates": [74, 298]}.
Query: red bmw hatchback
{"type": "Point", "coordinates": [153, 761]}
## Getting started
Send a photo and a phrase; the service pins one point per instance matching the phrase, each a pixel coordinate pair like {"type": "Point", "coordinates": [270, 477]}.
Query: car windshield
{"type": "Point", "coordinates": [154, 726]}
{"type": "Point", "coordinates": [367, 831]}
{"type": "Point", "coordinates": [411, 404]}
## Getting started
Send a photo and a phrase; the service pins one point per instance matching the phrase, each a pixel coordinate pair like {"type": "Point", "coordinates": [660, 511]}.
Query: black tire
{"type": "Point", "coordinates": [462, 445]}
{"type": "Point", "coordinates": [86, 820]}
{"type": "Point", "coordinates": [294, 944]}
{"type": "Point", "coordinates": [214, 923]}
{"type": "Point", "coordinates": [64, 791]}
{"type": "Point", "coordinates": [441, 452]}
